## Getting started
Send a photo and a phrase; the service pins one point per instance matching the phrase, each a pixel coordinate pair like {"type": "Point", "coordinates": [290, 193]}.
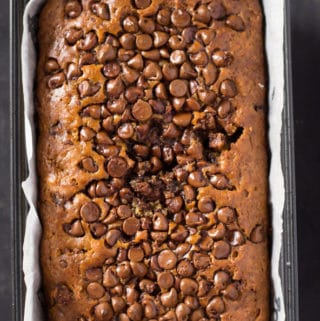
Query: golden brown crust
{"type": "Point", "coordinates": [68, 164]}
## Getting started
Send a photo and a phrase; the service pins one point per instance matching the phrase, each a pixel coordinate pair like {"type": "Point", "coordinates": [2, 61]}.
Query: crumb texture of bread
{"type": "Point", "coordinates": [152, 160]}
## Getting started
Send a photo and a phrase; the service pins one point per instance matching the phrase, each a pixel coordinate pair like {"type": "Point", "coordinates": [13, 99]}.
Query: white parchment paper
{"type": "Point", "coordinates": [274, 16]}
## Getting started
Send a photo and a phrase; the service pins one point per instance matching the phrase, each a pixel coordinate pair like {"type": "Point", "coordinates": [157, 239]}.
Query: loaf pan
{"type": "Point", "coordinates": [288, 264]}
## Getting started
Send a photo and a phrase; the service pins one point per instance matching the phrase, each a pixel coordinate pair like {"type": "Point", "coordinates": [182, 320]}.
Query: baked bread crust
{"type": "Point", "coordinates": [221, 155]}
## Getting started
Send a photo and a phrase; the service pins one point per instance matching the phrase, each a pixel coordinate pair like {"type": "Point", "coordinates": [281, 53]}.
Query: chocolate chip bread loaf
{"type": "Point", "coordinates": [152, 160]}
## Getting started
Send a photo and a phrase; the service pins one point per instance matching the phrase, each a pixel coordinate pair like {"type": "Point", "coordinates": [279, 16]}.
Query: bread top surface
{"type": "Point", "coordinates": [152, 160]}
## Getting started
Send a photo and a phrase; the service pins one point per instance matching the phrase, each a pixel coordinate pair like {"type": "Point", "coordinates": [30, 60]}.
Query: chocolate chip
{"type": "Point", "coordinates": [147, 286]}
{"type": "Point", "coordinates": [141, 110]}
{"type": "Point", "coordinates": [178, 88]}
{"type": "Point", "coordinates": [188, 34]}
{"type": "Point", "coordinates": [136, 254]}
{"type": "Point", "coordinates": [141, 150]}
{"type": "Point", "coordinates": [235, 238]}
{"type": "Point", "coordinates": [221, 182]}
{"type": "Point", "coordinates": [202, 14]}
{"type": "Point", "coordinates": [215, 306]}
{"type": "Point", "coordinates": [144, 42]}
{"type": "Point", "coordinates": [156, 164]}
{"type": "Point", "coordinates": [221, 280]}
{"type": "Point", "coordinates": [167, 259]}
{"type": "Point", "coordinates": [257, 234]}
{"type": "Point", "coordinates": [164, 53]}
{"type": "Point", "coordinates": [89, 165]}
{"type": "Point", "coordinates": [182, 312]}
{"type": "Point", "coordinates": [150, 309]}
{"type": "Point", "coordinates": [152, 72]}
{"type": "Point", "coordinates": [196, 179]}
{"type": "Point", "coordinates": [90, 212]}
{"type": "Point", "coordinates": [169, 71]}
{"type": "Point", "coordinates": [185, 268]}
{"type": "Point", "coordinates": [98, 229]}
{"type": "Point", "coordinates": [232, 292]}
{"type": "Point", "coordinates": [235, 22]}
{"type": "Point", "coordinates": [161, 91]}
{"type": "Point", "coordinates": [72, 9]}
{"type": "Point", "coordinates": [112, 40]}
{"type": "Point", "coordinates": [88, 88]}
{"type": "Point", "coordinates": [182, 119]}
{"type": "Point", "coordinates": [228, 88]}
{"type": "Point", "coordinates": [210, 74]}
{"type": "Point", "coordinates": [208, 97]}
{"type": "Point", "coordinates": [73, 71]}
{"type": "Point", "coordinates": [124, 55]}
{"type": "Point", "coordinates": [73, 35]}
{"type": "Point", "coordinates": [56, 80]}
{"type": "Point", "coordinates": [74, 229]}
{"type": "Point", "coordinates": [177, 42]}
{"type": "Point", "coordinates": [131, 225]}
{"type": "Point", "coordinates": [224, 109]}
{"type": "Point", "coordinates": [221, 250]}
{"type": "Point", "coordinates": [217, 232]}
{"type": "Point", "coordinates": [188, 286]}
{"type": "Point", "coordinates": [205, 204]}
{"type": "Point", "coordinates": [180, 18]}
{"type": "Point", "coordinates": [118, 304]}
{"type": "Point", "coordinates": [136, 62]}
{"type": "Point", "coordinates": [178, 57]}
{"type": "Point", "coordinates": [200, 58]}
{"type": "Point", "coordinates": [187, 71]}
{"type": "Point", "coordinates": [103, 311]}
{"type": "Point", "coordinates": [87, 58]}
{"type": "Point", "coordinates": [142, 4]}
{"type": "Point", "coordinates": [117, 167]}
{"type": "Point", "coordinates": [101, 10]}
{"type": "Point", "coordinates": [169, 299]}
{"type": "Point", "coordinates": [200, 260]}
{"type": "Point", "coordinates": [112, 237]}
{"type": "Point", "coordinates": [51, 66]}
{"type": "Point", "coordinates": [124, 211]}
{"type": "Point", "coordinates": [135, 312]}
{"type": "Point", "coordinates": [106, 53]}
{"type": "Point", "coordinates": [115, 87]}
{"type": "Point", "coordinates": [124, 270]}
{"type": "Point", "coordinates": [160, 38]}
{"type": "Point", "coordinates": [226, 215]}
{"type": "Point", "coordinates": [217, 10]}
{"type": "Point", "coordinates": [110, 279]}
{"type": "Point", "coordinates": [95, 290]}
{"type": "Point", "coordinates": [125, 131]}
{"type": "Point", "coordinates": [111, 69]}
{"type": "Point", "coordinates": [129, 75]}
{"type": "Point", "coordinates": [146, 25]}
{"type": "Point", "coordinates": [221, 58]}
{"type": "Point", "coordinates": [163, 17]}
{"type": "Point", "coordinates": [153, 55]}
{"type": "Point", "coordinates": [139, 269]}
{"type": "Point", "coordinates": [132, 94]}
{"type": "Point", "coordinates": [165, 280]}
{"type": "Point", "coordinates": [89, 42]}
{"type": "Point", "coordinates": [130, 24]}
{"type": "Point", "coordinates": [116, 106]}
{"type": "Point", "coordinates": [93, 274]}
{"type": "Point", "coordinates": [205, 36]}
{"type": "Point", "coordinates": [195, 47]}
{"type": "Point", "coordinates": [128, 41]}
{"type": "Point", "coordinates": [160, 222]}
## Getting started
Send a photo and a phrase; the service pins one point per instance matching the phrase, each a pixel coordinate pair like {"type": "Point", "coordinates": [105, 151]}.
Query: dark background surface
{"type": "Point", "coordinates": [306, 95]}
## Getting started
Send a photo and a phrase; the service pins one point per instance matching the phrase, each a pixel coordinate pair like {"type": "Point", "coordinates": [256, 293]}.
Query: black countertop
{"type": "Point", "coordinates": [306, 96]}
